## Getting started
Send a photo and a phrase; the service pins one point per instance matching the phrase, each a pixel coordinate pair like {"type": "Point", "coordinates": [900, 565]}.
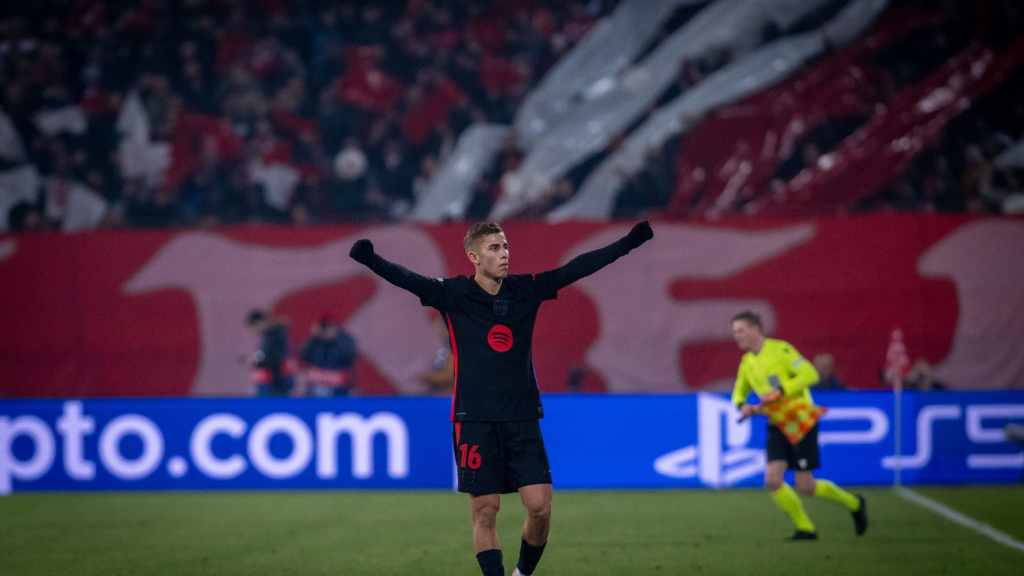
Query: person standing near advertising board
{"type": "Point", "coordinates": [271, 364]}
{"type": "Point", "coordinates": [328, 359]}
{"type": "Point", "coordinates": [782, 378]}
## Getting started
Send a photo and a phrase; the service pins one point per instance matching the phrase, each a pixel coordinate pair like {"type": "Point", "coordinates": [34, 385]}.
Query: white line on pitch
{"type": "Point", "coordinates": [960, 518]}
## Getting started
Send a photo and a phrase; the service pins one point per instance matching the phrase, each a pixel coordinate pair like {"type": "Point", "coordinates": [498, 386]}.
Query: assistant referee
{"type": "Point", "coordinates": [774, 370]}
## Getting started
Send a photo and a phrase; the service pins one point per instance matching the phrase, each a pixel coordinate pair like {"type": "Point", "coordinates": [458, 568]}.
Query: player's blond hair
{"type": "Point", "coordinates": [477, 232]}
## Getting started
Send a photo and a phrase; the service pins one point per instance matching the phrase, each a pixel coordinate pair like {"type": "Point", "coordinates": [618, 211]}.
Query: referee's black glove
{"type": "Point", "coordinates": [362, 252]}
{"type": "Point", "coordinates": [638, 235]}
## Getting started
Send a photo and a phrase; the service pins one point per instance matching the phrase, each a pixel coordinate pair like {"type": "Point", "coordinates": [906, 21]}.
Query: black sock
{"type": "Point", "coordinates": [529, 555]}
{"type": "Point", "coordinates": [490, 562]}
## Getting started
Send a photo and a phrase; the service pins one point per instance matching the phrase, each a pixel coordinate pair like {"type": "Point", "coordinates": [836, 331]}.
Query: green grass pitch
{"type": "Point", "coordinates": [423, 533]}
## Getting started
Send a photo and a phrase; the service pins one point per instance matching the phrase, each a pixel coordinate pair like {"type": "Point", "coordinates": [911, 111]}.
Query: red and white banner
{"type": "Point", "coordinates": [161, 313]}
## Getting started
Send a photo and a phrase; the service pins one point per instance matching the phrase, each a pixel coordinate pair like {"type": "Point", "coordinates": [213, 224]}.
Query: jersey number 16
{"type": "Point", "coordinates": [472, 456]}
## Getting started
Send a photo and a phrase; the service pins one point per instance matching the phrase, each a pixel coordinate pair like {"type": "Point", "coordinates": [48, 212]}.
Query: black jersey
{"type": "Point", "coordinates": [492, 335]}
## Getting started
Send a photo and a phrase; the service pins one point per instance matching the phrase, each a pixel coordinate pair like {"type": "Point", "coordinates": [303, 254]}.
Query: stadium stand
{"type": "Point", "coordinates": [196, 113]}
{"type": "Point", "coordinates": [200, 112]}
{"type": "Point", "coordinates": [760, 147]}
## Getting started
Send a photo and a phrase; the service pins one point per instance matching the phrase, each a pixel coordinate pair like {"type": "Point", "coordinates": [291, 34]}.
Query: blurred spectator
{"type": "Point", "coordinates": [147, 207]}
{"type": "Point", "coordinates": [310, 201]}
{"type": "Point", "coordinates": [202, 195]}
{"type": "Point", "coordinates": [553, 196]}
{"type": "Point", "coordinates": [651, 187]}
{"type": "Point", "coordinates": [350, 182]}
{"type": "Point", "coordinates": [940, 189]}
{"type": "Point", "coordinates": [808, 156]}
{"type": "Point", "coordinates": [689, 75]}
{"type": "Point", "coordinates": [157, 99]}
{"type": "Point", "coordinates": [901, 196]}
{"type": "Point", "coordinates": [920, 378]}
{"type": "Point", "coordinates": [350, 163]}
{"type": "Point", "coordinates": [329, 359]}
{"type": "Point", "coordinates": [25, 217]}
{"type": "Point", "coordinates": [488, 188]}
{"type": "Point", "coordinates": [825, 364]}
{"type": "Point", "coordinates": [244, 101]}
{"type": "Point", "coordinates": [580, 22]}
{"type": "Point", "coordinates": [421, 183]}
{"type": "Point", "coordinates": [1003, 188]}
{"type": "Point", "coordinates": [393, 177]}
{"type": "Point", "coordinates": [271, 364]}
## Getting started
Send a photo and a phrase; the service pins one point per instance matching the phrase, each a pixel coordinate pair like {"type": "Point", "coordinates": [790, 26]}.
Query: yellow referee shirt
{"type": "Point", "coordinates": [777, 366]}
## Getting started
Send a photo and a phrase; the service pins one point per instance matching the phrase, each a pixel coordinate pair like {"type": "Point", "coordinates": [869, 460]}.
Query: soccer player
{"type": "Point", "coordinates": [775, 371]}
{"type": "Point", "coordinates": [496, 404]}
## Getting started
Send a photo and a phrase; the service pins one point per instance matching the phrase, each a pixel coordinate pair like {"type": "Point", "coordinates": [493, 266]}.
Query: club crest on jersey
{"type": "Point", "coordinates": [500, 307]}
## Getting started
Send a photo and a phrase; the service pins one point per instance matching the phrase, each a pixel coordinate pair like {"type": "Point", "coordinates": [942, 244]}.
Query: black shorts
{"type": "Point", "coordinates": [802, 456]}
{"type": "Point", "coordinates": [499, 457]}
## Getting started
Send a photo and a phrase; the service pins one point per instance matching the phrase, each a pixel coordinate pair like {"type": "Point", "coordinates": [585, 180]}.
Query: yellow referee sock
{"type": "Point", "coordinates": [788, 500]}
{"type": "Point", "coordinates": [826, 489]}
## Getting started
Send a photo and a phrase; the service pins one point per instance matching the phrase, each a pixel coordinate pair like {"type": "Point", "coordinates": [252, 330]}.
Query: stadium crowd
{"type": "Point", "coordinates": [200, 112]}
{"type": "Point", "coordinates": [958, 174]}
{"type": "Point", "coordinates": [259, 111]}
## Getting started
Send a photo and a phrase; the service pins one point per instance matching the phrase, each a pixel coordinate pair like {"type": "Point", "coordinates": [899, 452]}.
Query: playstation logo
{"type": "Point", "coordinates": [716, 461]}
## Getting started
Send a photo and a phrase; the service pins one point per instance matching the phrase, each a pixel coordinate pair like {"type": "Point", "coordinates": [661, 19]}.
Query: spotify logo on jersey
{"type": "Point", "coordinates": [500, 338]}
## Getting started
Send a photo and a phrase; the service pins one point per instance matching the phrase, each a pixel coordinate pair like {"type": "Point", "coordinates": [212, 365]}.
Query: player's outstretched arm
{"type": "Point", "coordinates": [640, 232]}
{"type": "Point", "coordinates": [590, 262]}
{"type": "Point", "coordinates": [428, 289]}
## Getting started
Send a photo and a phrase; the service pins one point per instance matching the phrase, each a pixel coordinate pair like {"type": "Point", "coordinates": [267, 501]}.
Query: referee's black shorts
{"type": "Point", "coordinates": [499, 457]}
{"type": "Point", "coordinates": [802, 456]}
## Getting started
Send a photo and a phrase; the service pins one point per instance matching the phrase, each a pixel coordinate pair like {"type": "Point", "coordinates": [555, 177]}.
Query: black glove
{"type": "Point", "coordinates": [638, 235]}
{"type": "Point", "coordinates": [362, 252]}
